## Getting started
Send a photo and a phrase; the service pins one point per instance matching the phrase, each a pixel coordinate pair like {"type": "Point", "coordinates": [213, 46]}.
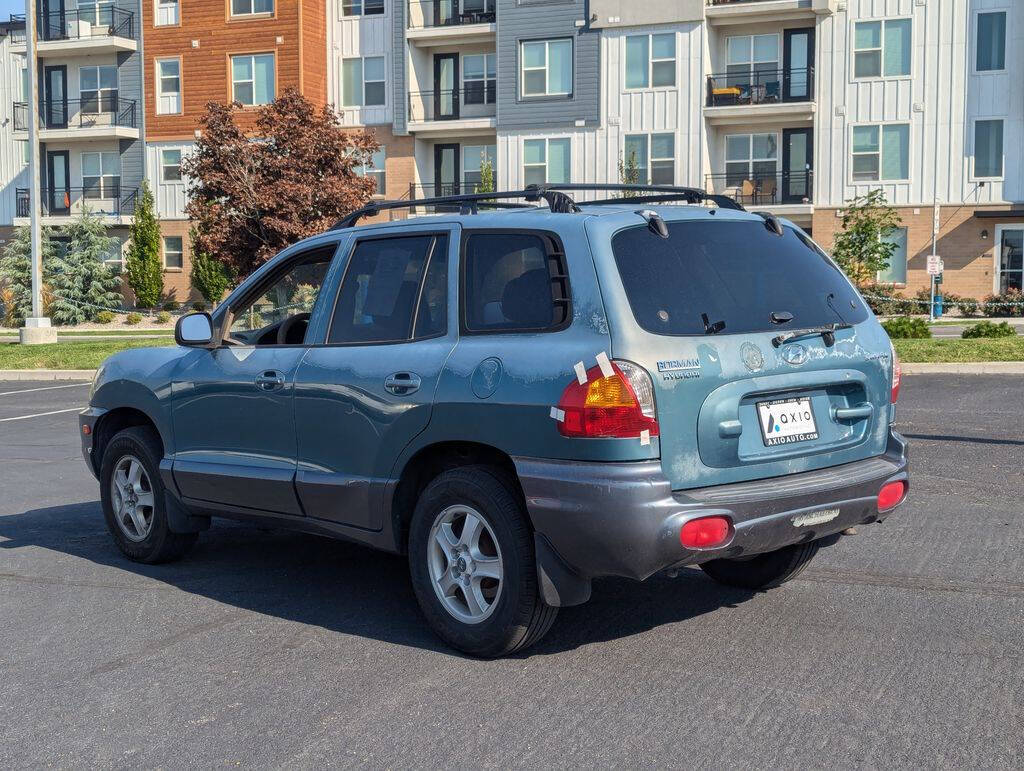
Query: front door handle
{"type": "Point", "coordinates": [271, 380]}
{"type": "Point", "coordinates": [402, 383]}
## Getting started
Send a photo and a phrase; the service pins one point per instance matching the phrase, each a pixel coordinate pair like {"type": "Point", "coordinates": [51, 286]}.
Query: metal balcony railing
{"type": "Point", "coordinates": [476, 99]}
{"type": "Point", "coordinates": [103, 197]}
{"type": "Point", "coordinates": [88, 23]}
{"type": "Point", "coordinates": [449, 13]}
{"type": "Point", "coordinates": [760, 188]}
{"type": "Point", "coordinates": [760, 87]}
{"type": "Point", "coordinates": [95, 112]}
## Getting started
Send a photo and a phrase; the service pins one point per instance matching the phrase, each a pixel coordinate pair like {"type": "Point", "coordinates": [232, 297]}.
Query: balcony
{"type": "Point", "coordinates": [435, 190]}
{"type": "Point", "coordinates": [467, 110]}
{"type": "Point", "coordinates": [762, 188]}
{"type": "Point", "coordinates": [467, 21]}
{"type": "Point", "coordinates": [766, 94]}
{"type": "Point", "coordinates": [102, 29]}
{"type": "Point", "coordinates": [720, 12]}
{"type": "Point", "coordinates": [62, 204]}
{"type": "Point", "coordinates": [104, 116]}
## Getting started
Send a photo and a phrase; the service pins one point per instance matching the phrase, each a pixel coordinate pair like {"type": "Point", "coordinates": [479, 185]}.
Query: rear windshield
{"type": "Point", "coordinates": [734, 272]}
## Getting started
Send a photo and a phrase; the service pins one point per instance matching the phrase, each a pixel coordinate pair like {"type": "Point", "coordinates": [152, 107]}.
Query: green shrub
{"type": "Point", "coordinates": [163, 317]}
{"type": "Point", "coordinates": [197, 306]}
{"type": "Point", "coordinates": [906, 327]}
{"type": "Point", "coordinates": [992, 305]}
{"type": "Point", "coordinates": [988, 329]}
{"type": "Point", "coordinates": [132, 319]}
{"type": "Point", "coordinates": [172, 305]}
{"type": "Point", "coordinates": [886, 301]}
{"type": "Point", "coordinates": [103, 317]}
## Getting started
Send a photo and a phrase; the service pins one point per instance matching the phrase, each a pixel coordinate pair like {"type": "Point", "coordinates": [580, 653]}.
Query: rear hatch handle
{"type": "Point", "coordinates": [853, 413]}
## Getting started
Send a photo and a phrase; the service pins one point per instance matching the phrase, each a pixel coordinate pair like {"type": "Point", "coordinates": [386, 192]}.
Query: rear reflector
{"type": "Point", "coordinates": [891, 494]}
{"type": "Point", "coordinates": [705, 533]}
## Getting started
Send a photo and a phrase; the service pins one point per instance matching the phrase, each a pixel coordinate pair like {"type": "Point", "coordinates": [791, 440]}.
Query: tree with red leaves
{"type": "Point", "coordinates": [292, 176]}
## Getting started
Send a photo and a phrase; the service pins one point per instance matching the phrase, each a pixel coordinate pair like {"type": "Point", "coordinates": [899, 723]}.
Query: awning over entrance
{"type": "Point", "coordinates": [996, 214]}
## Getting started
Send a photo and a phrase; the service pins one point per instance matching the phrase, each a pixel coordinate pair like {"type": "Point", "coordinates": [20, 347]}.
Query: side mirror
{"type": "Point", "coordinates": [195, 330]}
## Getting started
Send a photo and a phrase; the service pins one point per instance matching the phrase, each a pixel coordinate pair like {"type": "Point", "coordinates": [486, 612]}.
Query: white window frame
{"type": "Point", "coordinates": [881, 50]}
{"type": "Point", "coordinates": [161, 94]}
{"type": "Point", "coordinates": [96, 6]}
{"type": "Point", "coordinates": [650, 160]}
{"type": "Point", "coordinates": [164, 165]}
{"type": "Point", "coordinates": [100, 91]}
{"type": "Point", "coordinates": [104, 176]}
{"type": "Point", "coordinates": [879, 125]}
{"type": "Point", "coordinates": [363, 81]}
{"type": "Point", "coordinates": [751, 62]}
{"type": "Point", "coordinates": [487, 56]}
{"type": "Point", "coordinates": [358, 8]}
{"type": "Point", "coordinates": [166, 8]}
{"type": "Point", "coordinates": [164, 252]}
{"type": "Point", "coordinates": [378, 173]}
{"type": "Point", "coordinates": [547, 154]}
{"type": "Point", "coordinates": [751, 159]}
{"type": "Point", "coordinates": [523, 69]}
{"type": "Point", "coordinates": [975, 177]}
{"type": "Point", "coordinates": [651, 61]}
{"type": "Point", "coordinates": [477, 152]}
{"type": "Point", "coordinates": [252, 57]}
{"type": "Point", "coordinates": [973, 50]}
{"type": "Point", "coordinates": [252, 13]}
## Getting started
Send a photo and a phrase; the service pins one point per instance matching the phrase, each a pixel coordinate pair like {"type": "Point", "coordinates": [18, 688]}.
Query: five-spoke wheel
{"type": "Point", "coordinates": [131, 494]}
{"type": "Point", "coordinates": [465, 563]}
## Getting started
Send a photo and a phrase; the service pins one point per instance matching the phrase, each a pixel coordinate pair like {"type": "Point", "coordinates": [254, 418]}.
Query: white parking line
{"type": "Point", "coordinates": [40, 414]}
{"type": "Point", "coordinates": [43, 388]}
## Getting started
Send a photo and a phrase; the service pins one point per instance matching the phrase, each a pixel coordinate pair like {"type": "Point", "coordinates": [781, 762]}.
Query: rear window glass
{"type": "Point", "coordinates": [732, 272]}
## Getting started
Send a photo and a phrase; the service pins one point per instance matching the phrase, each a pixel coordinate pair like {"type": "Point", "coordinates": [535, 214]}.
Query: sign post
{"type": "Point", "coordinates": [935, 267]}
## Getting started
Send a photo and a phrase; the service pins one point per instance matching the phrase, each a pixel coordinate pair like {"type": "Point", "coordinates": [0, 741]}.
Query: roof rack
{"type": "Point", "coordinates": [555, 195]}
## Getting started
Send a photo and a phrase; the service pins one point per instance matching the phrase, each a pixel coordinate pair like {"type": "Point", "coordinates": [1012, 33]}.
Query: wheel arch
{"type": "Point", "coordinates": [114, 421]}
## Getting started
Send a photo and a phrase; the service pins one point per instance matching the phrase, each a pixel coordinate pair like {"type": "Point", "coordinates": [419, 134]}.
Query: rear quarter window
{"type": "Point", "coordinates": [729, 271]}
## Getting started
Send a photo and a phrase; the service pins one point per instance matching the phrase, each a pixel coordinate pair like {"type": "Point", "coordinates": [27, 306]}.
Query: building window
{"type": "Point", "coordinates": [881, 48]}
{"type": "Point", "coordinates": [479, 78]}
{"type": "Point", "coordinates": [98, 86]}
{"type": "Point", "coordinates": [362, 7]}
{"type": "Point", "coordinates": [174, 253]}
{"type": "Point", "coordinates": [362, 82]}
{"type": "Point", "coordinates": [168, 86]}
{"type": "Point", "coordinates": [170, 165]}
{"type": "Point", "coordinates": [990, 43]}
{"type": "Point", "coordinates": [751, 159]}
{"type": "Point", "coordinates": [896, 273]}
{"type": "Point", "coordinates": [653, 155]}
{"type": "Point", "coordinates": [101, 175]}
{"type": "Point", "coordinates": [546, 67]}
{"type": "Point", "coordinates": [166, 13]}
{"type": "Point", "coordinates": [546, 161]}
{"type": "Point", "coordinates": [252, 79]}
{"type": "Point", "coordinates": [473, 158]}
{"type": "Point", "coordinates": [98, 13]}
{"type": "Point", "coordinates": [23, 144]}
{"type": "Point", "coordinates": [752, 59]}
{"type": "Point", "coordinates": [881, 152]}
{"type": "Point", "coordinates": [651, 61]}
{"type": "Point", "coordinates": [375, 169]}
{"type": "Point", "coordinates": [252, 7]}
{"type": "Point", "coordinates": [988, 148]}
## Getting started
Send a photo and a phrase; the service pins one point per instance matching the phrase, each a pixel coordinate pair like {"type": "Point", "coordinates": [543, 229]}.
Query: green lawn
{"type": "Point", "coordinates": [80, 355]}
{"type": "Point", "coordinates": [981, 349]}
{"type": "Point", "coordinates": [8, 332]}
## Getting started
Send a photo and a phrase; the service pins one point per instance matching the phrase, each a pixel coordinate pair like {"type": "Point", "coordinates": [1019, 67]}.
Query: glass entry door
{"type": "Point", "coordinates": [798, 65]}
{"type": "Point", "coordinates": [797, 161]}
{"type": "Point", "coordinates": [1010, 258]}
{"type": "Point", "coordinates": [57, 194]}
{"type": "Point", "coordinates": [55, 104]}
{"type": "Point", "coordinates": [446, 169]}
{"type": "Point", "coordinates": [446, 84]}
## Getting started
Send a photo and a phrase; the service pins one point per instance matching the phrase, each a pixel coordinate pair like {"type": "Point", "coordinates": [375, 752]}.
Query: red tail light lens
{"type": "Point", "coordinates": [621, 405]}
{"type": "Point", "coordinates": [705, 533]}
{"type": "Point", "coordinates": [891, 494]}
{"type": "Point", "coordinates": [897, 375]}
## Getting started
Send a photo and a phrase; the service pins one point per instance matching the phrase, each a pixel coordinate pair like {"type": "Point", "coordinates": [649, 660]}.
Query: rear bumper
{"type": "Point", "coordinates": [623, 519]}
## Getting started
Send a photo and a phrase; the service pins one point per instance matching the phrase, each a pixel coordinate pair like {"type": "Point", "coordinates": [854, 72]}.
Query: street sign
{"type": "Point", "coordinates": [934, 265]}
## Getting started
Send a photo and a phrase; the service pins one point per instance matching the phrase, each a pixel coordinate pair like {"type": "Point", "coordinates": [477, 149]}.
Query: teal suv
{"type": "Point", "coordinates": [522, 391]}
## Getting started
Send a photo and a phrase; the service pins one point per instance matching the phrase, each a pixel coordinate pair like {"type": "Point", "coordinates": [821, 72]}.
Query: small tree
{"type": "Point", "coordinates": [486, 175]}
{"type": "Point", "coordinates": [210, 276]}
{"type": "Point", "coordinates": [81, 281]}
{"type": "Point", "coordinates": [142, 269]}
{"type": "Point", "coordinates": [860, 247]}
{"type": "Point", "coordinates": [293, 177]}
{"type": "Point", "coordinates": [16, 274]}
{"type": "Point", "coordinates": [629, 170]}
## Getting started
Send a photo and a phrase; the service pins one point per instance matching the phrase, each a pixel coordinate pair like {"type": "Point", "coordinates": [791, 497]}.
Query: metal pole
{"type": "Point", "coordinates": [931, 279]}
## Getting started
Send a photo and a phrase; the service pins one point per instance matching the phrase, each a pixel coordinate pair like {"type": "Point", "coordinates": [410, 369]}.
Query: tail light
{"type": "Point", "coordinates": [897, 374]}
{"type": "Point", "coordinates": [705, 532]}
{"type": "Point", "coordinates": [891, 494]}
{"type": "Point", "coordinates": [620, 405]}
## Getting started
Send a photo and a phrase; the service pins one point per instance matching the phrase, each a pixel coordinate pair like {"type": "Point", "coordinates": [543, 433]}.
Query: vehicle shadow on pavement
{"type": "Point", "coordinates": [339, 586]}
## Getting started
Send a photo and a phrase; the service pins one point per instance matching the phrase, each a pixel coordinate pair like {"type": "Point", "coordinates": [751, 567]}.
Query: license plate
{"type": "Point", "coordinates": [785, 421]}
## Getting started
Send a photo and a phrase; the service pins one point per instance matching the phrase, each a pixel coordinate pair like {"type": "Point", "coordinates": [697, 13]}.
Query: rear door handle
{"type": "Point", "coordinates": [271, 380]}
{"type": "Point", "coordinates": [852, 413]}
{"type": "Point", "coordinates": [402, 383]}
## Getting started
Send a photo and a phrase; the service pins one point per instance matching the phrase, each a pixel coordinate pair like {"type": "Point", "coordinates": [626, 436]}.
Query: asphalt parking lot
{"type": "Point", "coordinates": [902, 646]}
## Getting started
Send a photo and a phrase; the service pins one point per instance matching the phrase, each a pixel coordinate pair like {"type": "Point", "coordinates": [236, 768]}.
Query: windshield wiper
{"type": "Point", "coordinates": [827, 332]}
{"type": "Point", "coordinates": [711, 328]}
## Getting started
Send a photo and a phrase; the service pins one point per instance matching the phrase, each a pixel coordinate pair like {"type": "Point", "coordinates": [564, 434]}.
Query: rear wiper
{"type": "Point", "coordinates": [709, 328]}
{"type": "Point", "coordinates": [827, 332]}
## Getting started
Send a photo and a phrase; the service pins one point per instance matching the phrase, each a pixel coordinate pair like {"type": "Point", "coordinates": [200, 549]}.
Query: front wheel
{"type": "Point", "coordinates": [763, 571]}
{"type": "Point", "coordinates": [472, 564]}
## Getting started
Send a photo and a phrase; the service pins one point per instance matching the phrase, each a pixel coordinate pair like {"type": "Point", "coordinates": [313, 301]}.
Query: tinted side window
{"type": "Point", "coordinates": [513, 281]}
{"type": "Point", "coordinates": [379, 293]}
{"type": "Point", "coordinates": [432, 314]}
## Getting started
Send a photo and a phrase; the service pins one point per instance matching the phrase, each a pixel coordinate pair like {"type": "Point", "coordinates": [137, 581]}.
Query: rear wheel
{"type": "Point", "coordinates": [472, 564]}
{"type": "Point", "coordinates": [764, 571]}
{"type": "Point", "coordinates": [132, 496]}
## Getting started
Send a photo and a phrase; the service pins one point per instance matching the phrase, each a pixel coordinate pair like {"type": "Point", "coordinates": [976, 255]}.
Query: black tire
{"type": "Point", "coordinates": [765, 571]}
{"type": "Point", "coordinates": [160, 544]}
{"type": "Point", "coordinates": [519, 617]}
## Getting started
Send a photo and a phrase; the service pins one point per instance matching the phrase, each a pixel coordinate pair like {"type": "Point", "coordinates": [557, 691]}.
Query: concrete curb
{"type": "Point", "coordinates": [965, 368]}
{"type": "Point", "coordinates": [47, 374]}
